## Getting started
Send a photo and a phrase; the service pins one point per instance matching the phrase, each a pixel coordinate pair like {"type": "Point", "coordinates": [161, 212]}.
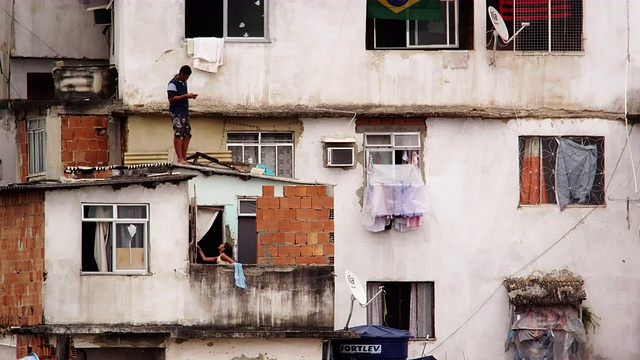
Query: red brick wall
{"type": "Point", "coordinates": [22, 150]}
{"type": "Point", "coordinates": [21, 258]}
{"type": "Point", "coordinates": [84, 141]}
{"type": "Point", "coordinates": [295, 228]}
{"type": "Point", "coordinates": [39, 345]}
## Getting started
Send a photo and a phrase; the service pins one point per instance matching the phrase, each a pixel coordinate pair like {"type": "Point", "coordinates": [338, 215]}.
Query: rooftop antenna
{"type": "Point", "coordinates": [499, 28]}
{"type": "Point", "coordinates": [358, 293]}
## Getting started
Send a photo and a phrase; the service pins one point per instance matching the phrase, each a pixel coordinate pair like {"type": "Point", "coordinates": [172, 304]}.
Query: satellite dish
{"type": "Point", "coordinates": [357, 290]}
{"type": "Point", "coordinates": [498, 23]}
{"type": "Point", "coordinates": [500, 29]}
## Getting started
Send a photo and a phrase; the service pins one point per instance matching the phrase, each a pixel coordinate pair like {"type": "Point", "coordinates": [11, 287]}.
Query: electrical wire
{"type": "Point", "coordinates": [626, 100]}
{"type": "Point", "coordinates": [536, 258]}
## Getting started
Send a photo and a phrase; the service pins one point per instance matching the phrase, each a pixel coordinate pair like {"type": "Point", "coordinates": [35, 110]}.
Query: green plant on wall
{"type": "Point", "coordinates": [589, 318]}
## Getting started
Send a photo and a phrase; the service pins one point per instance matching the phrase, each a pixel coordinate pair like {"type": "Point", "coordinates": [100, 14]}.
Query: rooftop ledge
{"type": "Point", "coordinates": [181, 331]}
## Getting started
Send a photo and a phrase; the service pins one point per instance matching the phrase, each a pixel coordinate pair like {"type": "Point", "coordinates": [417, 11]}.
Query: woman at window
{"type": "Point", "coordinates": [225, 257]}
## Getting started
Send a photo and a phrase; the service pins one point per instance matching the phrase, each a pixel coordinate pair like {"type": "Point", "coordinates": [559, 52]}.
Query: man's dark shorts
{"type": "Point", "coordinates": [181, 125]}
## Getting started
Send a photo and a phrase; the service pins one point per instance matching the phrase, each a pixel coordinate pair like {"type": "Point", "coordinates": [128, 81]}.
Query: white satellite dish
{"type": "Point", "coordinates": [500, 29]}
{"type": "Point", "coordinates": [498, 23]}
{"type": "Point", "coordinates": [358, 293]}
{"type": "Point", "coordinates": [357, 290]}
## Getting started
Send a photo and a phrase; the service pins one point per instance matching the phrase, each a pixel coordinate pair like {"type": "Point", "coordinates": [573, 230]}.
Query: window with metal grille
{"type": "Point", "coordinates": [229, 19]}
{"type": "Point", "coordinates": [392, 148]}
{"type": "Point", "coordinates": [555, 26]}
{"type": "Point", "coordinates": [567, 170]}
{"type": "Point", "coordinates": [451, 27]}
{"type": "Point", "coordinates": [36, 142]}
{"type": "Point", "coordinates": [403, 305]}
{"type": "Point", "coordinates": [273, 149]}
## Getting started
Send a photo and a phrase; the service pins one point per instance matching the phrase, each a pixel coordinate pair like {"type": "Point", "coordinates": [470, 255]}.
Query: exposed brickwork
{"type": "Point", "coordinates": [295, 228]}
{"type": "Point", "coordinates": [84, 141]}
{"type": "Point", "coordinates": [39, 345]}
{"type": "Point", "coordinates": [21, 258]}
{"type": "Point", "coordinates": [22, 150]}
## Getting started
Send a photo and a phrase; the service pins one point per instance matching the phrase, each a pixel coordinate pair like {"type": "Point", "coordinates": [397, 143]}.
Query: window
{"type": "Point", "coordinates": [561, 170]}
{"type": "Point", "coordinates": [40, 86]}
{"type": "Point", "coordinates": [555, 25]}
{"type": "Point", "coordinates": [229, 19]}
{"type": "Point", "coordinates": [424, 24]}
{"type": "Point", "coordinates": [247, 234]}
{"type": "Point", "coordinates": [392, 148]}
{"type": "Point", "coordinates": [36, 142]}
{"type": "Point", "coordinates": [403, 305]}
{"type": "Point", "coordinates": [209, 231]}
{"type": "Point", "coordinates": [272, 149]}
{"type": "Point", "coordinates": [114, 238]}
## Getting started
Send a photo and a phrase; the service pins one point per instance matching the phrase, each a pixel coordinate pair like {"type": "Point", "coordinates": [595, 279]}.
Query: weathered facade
{"type": "Point", "coordinates": [314, 76]}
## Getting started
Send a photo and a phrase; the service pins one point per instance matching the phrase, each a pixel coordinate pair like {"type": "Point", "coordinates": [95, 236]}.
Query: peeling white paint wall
{"type": "Point", "coordinates": [244, 349]}
{"type": "Point", "coordinates": [475, 234]}
{"type": "Point", "coordinates": [58, 29]}
{"type": "Point", "coordinates": [316, 56]}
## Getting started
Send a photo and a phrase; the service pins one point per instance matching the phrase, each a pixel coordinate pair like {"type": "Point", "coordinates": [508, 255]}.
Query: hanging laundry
{"type": "Point", "coordinates": [208, 54]}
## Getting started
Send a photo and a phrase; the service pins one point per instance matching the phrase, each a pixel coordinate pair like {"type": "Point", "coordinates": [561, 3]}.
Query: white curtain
{"type": "Point", "coordinates": [420, 323]}
{"type": "Point", "coordinates": [100, 248]}
{"type": "Point", "coordinates": [375, 309]}
{"type": "Point", "coordinates": [204, 220]}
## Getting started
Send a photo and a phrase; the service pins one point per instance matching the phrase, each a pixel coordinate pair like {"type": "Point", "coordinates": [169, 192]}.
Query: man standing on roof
{"type": "Point", "coordinates": [179, 110]}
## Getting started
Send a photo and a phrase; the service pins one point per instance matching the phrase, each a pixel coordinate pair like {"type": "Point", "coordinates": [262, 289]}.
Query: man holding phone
{"type": "Point", "coordinates": [179, 110]}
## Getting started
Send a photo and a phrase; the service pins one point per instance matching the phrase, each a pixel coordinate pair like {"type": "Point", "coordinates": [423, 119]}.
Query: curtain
{"type": "Point", "coordinates": [531, 173]}
{"type": "Point", "coordinates": [575, 172]}
{"type": "Point", "coordinates": [101, 246]}
{"type": "Point", "coordinates": [420, 323]}
{"type": "Point", "coordinates": [375, 309]}
{"type": "Point", "coordinates": [204, 220]}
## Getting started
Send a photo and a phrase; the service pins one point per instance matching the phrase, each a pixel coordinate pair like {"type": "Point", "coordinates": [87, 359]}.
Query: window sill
{"type": "Point", "coordinates": [546, 53]}
{"type": "Point", "coordinates": [119, 273]}
{"type": "Point", "coordinates": [243, 40]}
{"type": "Point", "coordinates": [567, 207]}
{"type": "Point", "coordinates": [425, 339]}
{"type": "Point", "coordinates": [37, 176]}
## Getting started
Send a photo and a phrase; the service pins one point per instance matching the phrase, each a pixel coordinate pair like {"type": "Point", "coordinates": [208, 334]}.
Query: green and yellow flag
{"type": "Point", "coordinates": [404, 9]}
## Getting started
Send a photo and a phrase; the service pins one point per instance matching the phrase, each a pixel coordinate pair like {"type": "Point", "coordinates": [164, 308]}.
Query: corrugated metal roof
{"type": "Point", "coordinates": [116, 181]}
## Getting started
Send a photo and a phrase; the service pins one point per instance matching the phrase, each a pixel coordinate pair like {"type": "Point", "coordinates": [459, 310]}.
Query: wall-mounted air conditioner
{"type": "Point", "coordinates": [340, 156]}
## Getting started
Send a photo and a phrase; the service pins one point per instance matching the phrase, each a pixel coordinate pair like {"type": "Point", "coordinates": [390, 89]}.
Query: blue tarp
{"type": "Point", "coordinates": [379, 331]}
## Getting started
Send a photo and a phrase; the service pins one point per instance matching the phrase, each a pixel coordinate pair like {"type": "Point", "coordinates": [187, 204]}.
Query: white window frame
{"type": "Point", "coordinates": [447, 45]}
{"type": "Point", "coordinates": [391, 147]}
{"type": "Point", "coordinates": [259, 144]}
{"type": "Point", "coordinates": [114, 221]}
{"type": "Point", "coordinates": [37, 146]}
{"type": "Point", "coordinates": [246, 199]}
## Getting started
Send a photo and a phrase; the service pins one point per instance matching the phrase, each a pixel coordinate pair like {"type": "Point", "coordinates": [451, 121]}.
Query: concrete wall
{"type": "Point", "coordinates": [8, 148]}
{"type": "Point", "coordinates": [20, 68]}
{"type": "Point", "coordinates": [58, 29]}
{"type": "Point", "coordinates": [195, 291]}
{"type": "Point", "coordinates": [476, 234]}
{"type": "Point", "coordinates": [5, 45]}
{"type": "Point", "coordinates": [316, 56]}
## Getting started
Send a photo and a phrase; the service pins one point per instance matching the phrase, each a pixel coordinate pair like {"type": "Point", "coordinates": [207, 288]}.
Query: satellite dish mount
{"type": "Point", "coordinates": [500, 29]}
{"type": "Point", "coordinates": [358, 293]}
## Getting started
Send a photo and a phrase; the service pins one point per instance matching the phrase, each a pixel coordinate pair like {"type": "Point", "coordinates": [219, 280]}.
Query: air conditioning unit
{"type": "Point", "coordinates": [340, 156]}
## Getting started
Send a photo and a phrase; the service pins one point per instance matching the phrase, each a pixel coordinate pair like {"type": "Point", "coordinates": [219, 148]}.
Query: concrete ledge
{"type": "Point", "coordinates": [180, 331]}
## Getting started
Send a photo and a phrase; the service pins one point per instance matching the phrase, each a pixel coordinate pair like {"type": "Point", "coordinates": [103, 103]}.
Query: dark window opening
{"type": "Point", "coordinates": [203, 18]}
{"type": "Point", "coordinates": [212, 239]}
{"type": "Point", "coordinates": [40, 86]}
{"type": "Point", "coordinates": [207, 18]}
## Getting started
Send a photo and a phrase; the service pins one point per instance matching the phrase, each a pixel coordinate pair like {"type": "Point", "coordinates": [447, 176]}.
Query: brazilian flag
{"type": "Point", "coordinates": [404, 9]}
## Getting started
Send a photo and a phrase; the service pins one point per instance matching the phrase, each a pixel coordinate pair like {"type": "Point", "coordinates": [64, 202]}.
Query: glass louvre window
{"type": "Point", "coordinates": [36, 143]}
{"type": "Point", "coordinates": [115, 238]}
{"type": "Point", "coordinates": [229, 19]}
{"type": "Point", "coordinates": [273, 149]}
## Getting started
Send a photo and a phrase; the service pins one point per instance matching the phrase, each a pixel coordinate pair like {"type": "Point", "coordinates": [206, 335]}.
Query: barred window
{"type": "Point", "coordinates": [555, 26]}
{"type": "Point", "coordinates": [567, 170]}
{"type": "Point", "coordinates": [273, 149]}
